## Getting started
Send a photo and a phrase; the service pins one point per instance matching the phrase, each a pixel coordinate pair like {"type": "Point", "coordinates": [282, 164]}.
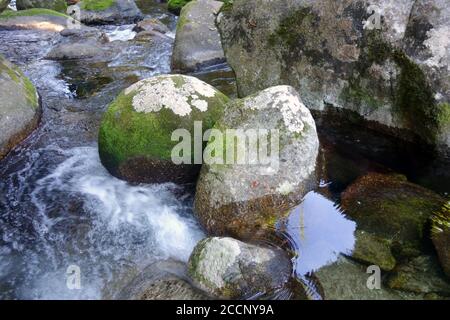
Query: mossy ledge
{"type": "Point", "coordinates": [8, 14]}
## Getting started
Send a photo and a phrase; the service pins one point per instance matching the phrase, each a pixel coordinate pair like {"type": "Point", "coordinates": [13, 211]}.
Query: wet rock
{"type": "Point", "coordinates": [347, 280]}
{"type": "Point", "coordinates": [151, 24]}
{"type": "Point", "coordinates": [109, 11]}
{"type": "Point", "coordinates": [344, 55]}
{"type": "Point", "coordinates": [420, 275]}
{"type": "Point", "coordinates": [80, 43]}
{"type": "Point", "coordinates": [371, 249]}
{"type": "Point", "coordinates": [440, 234]}
{"type": "Point", "coordinates": [4, 4]}
{"type": "Point", "coordinates": [393, 209]}
{"type": "Point", "coordinates": [247, 194]}
{"type": "Point", "coordinates": [175, 6]}
{"type": "Point", "coordinates": [229, 268]}
{"type": "Point", "coordinates": [162, 280]}
{"type": "Point", "coordinates": [197, 41]}
{"type": "Point", "coordinates": [35, 19]}
{"type": "Point", "coordinates": [135, 135]}
{"type": "Point", "coordinates": [19, 107]}
{"type": "Point", "coordinates": [57, 5]}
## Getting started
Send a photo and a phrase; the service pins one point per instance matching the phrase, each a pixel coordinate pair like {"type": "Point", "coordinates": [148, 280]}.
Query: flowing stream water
{"type": "Point", "coordinates": [59, 207]}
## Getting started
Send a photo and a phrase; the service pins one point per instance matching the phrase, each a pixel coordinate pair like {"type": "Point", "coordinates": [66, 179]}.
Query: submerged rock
{"type": "Point", "coordinates": [420, 275]}
{"type": "Point", "coordinates": [109, 11]}
{"type": "Point", "coordinates": [57, 5]}
{"type": "Point", "coordinates": [387, 61]}
{"type": "Point", "coordinates": [79, 43]}
{"type": "Point", "coordinates": [135, 140]}
{"type": "Point", "coordinates": [440, 234]}
{"type": "Point", "coordinates": [197, 41]}
{"type": "Point", "coordinates": [245, 191]}
{"type": "Point", "coordinates": [229, 268]}
{"type": "Point", "coordinates": [19, 107]}
{"type": "Point", "coordinates": [373, 250]}
{"type": "Point", "coordinates": [162, 280]}
{"type": "Point", "coordinates": [4, 4]}
{"type": "Point", "coordinates": [393, 210]}
{"type": "Point", "coordinates": [35, 19]}
{"type": "Point", "coordinates": [347, 280]}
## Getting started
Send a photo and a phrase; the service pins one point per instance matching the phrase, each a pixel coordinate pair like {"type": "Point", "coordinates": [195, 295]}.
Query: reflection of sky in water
{"type": "Point", "coordinates": [320, 232]}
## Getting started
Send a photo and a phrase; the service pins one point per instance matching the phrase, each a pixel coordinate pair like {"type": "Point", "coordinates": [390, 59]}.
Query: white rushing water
{"type": "Point", "coordinates": [105, 226]}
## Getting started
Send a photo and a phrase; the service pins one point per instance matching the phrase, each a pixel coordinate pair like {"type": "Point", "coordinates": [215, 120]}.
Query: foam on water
{"type": "Point", "coordinates": [85, 217]}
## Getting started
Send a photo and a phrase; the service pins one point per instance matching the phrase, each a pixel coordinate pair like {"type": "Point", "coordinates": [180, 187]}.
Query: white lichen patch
{"type": "Point", "coordinates": [283, 98]}
{"type": "Point", "coordinates": [178, 93]}
{"type": "Point", "coordinates": [438, 43]}
{"type": "Point", "coordinates": [216, 257]}
{"type": "Point", "coordinates": [286, 188]}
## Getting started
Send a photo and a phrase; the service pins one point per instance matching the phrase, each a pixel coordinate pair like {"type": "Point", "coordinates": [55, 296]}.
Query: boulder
{"type": "Point", "coordinates": [57, 5]}
{"type": "Point", "coordinates": [247, 194]}
{"type": "Point", "coordinates": [135, 140]}
{"type": "Point", "coordinates": [19, 108]}
{"type": "Point", "coordinates": [232, 269]}
{"type": "Point", "coordinates": [35, 19]}
{"type": "Point", "coordinates": [440, 234]}
{"type": "Point", "coordinates": [162, 280]}
{"type": "Point", "coordinates": [394, 212]}
{"type": "Point", "coordinates": [175, 6]}
{"type": "Point", "coordinates": [4, 4]}
{"type": "Point", "coordinates": [382, 59]}
{"type": "Point", "coordinates": [109, 11]}
{"type": "Point", "coordinates": [197, 41]}
{"type": "Point", "coordinates": [79, 43]}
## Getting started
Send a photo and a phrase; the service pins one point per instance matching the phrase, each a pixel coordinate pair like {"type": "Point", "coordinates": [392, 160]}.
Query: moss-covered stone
{"type": "Point", "coordinates": [440, 234]}
{"type": "Point", "coordinates": [57, 5]}
{"type": "Point", "coordinates": [31, 12]}
{"type": "Point", "coordinates": [97, 5]}
{"type": "Point", "coordinates": [175, 6]}
{"type": "Point", "coordinates": [373, 250]}
{"type": "Point", "coordinates": [391, 208]}
{"type": "Point", "coordinates": [135, 134]}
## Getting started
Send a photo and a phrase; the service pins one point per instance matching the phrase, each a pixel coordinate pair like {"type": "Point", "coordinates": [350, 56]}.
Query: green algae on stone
{"type": "Point", "coordinates": [371, 249]}
{"type": "Point", "coordinates": [31, 12]}
{"type": "Point", "coordinates": [137, 131]}
{"type": "Point", "coordinates": [57, 5]}
{"type": "Point", "coordinates": [391, 208]}
{"type": "Point", "coordinates": [175, 6]}
{"type": "Point", "coordinates": [97, 5]}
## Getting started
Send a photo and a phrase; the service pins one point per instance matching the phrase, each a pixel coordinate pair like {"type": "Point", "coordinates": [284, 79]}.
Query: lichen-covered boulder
{"type": "Point", "coordinates": [241, 196]}
{"type": "Point", "coordinates": [109, 11]}
{"type": "Point", "coordinates": [175, 6]}
{"type": "Point", "coordinates": [386, 60]}
{"type": "Point", "coordinates": [19, 106]}
{"type": "Point", "coordinates": [393, 211]}
{"type": "Point", "coordinates": [4, 4]}
{"type": "Point", "coordinates": [197, 41]}
{"type": "Point", "coordinates": [440, 234]}
{"type": "Point", "coordinates": [232, 269]}
{"type": "Point", "coordinates": [34, 19]}
{"type": "Point", "coordinates": [57, 5]}
{"type": "Point", "coordinates": [135, 140]}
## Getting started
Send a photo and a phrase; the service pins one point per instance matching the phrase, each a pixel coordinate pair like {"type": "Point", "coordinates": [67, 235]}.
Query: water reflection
{"type": "Point", "coordinates": [319, 231]}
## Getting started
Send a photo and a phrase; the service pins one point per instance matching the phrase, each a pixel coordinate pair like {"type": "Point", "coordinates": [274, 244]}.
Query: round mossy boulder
{"type": "Point", "coordinates": [57, 5]}
{"type": "Point", "coordinates": [135, 139]}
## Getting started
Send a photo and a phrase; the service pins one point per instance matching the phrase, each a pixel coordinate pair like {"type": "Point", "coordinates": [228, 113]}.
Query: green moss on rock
{"type": "Point", "coordinates": [97, 5]}
{"type": "Point", "coordinates": [31, 12]}
{"type": "Point", "coordinates": [175, 6]}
